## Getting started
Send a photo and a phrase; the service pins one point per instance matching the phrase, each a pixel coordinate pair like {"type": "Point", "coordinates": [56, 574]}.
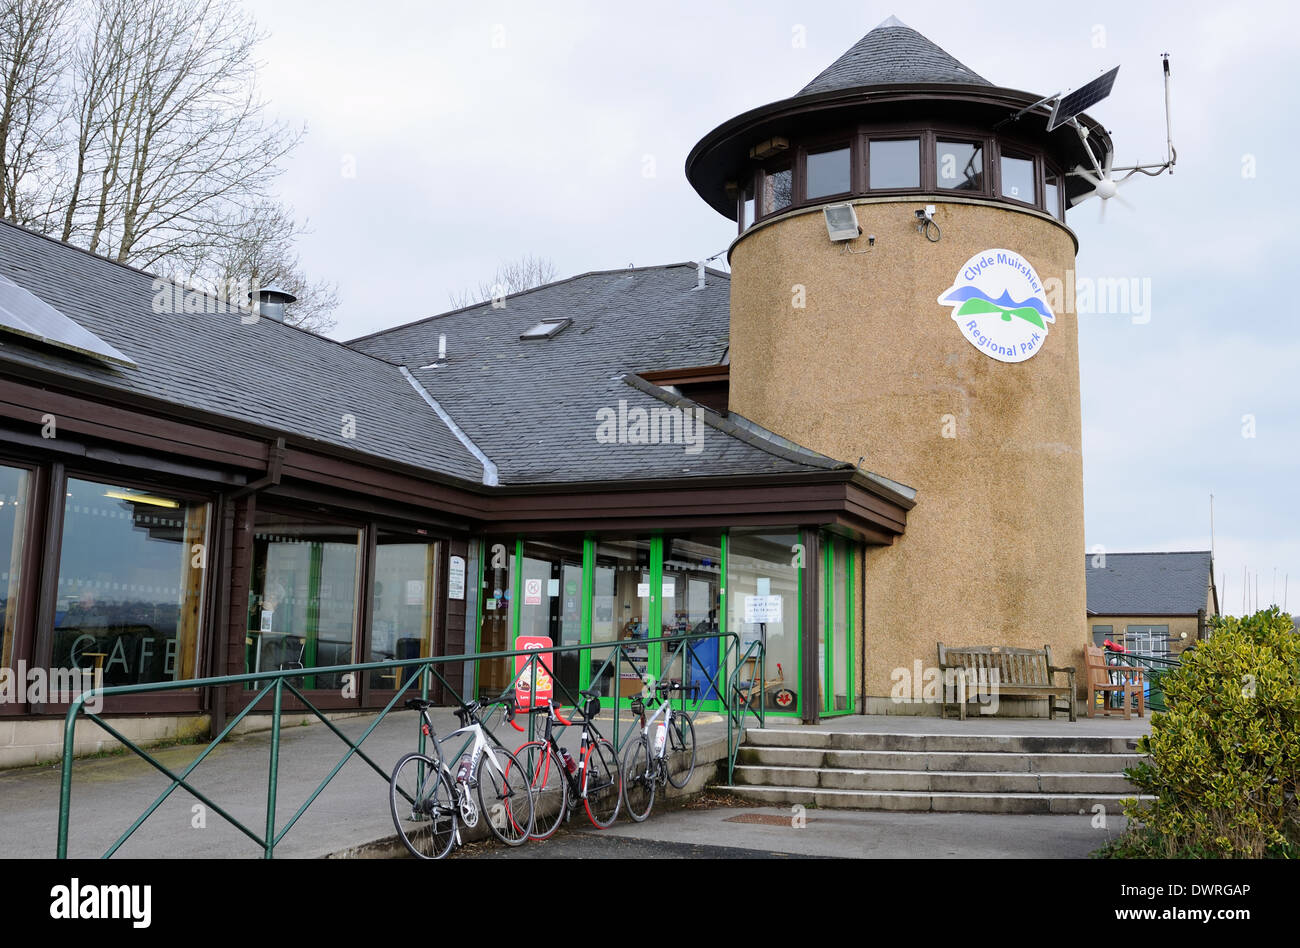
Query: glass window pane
{"type": "Point", "coordinates": [13, 519]}
{"type": "Point", "coordinates": [777, 185]}
{"type": "Point", "coordinates": [552, 604]}
{"type": "Point", "coordinates": [1018, 179]}
{"type": "Point", "coordinates": [130, 590]}
{"type": "Point", "coordinates": [303, 595]}
{"type": "Point", "coordinates": [495, 675]}
{"type": "Point", "coordinates": [960, 166]}
{"type": "Point", "coordinates": [620, 611]}
{"type": "Point", "coordinates": [895, 164]}
{"type": "Point", "coordinates": [1053, 197]}
{"type": "Point", "coordinates": [692, 580]}
{"type": "Point", "coordinates": [401, 613]}
{"type": "Point", "coordinates": [747, 206]}
{"type": "Point", "coordinates": [763, 605]}
{"type": "Point", "coordinates": [828, 172]}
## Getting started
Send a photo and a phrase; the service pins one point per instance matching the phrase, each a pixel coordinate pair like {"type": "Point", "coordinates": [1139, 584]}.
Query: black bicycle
{"type": "Point", "coordinates": [650, 756]}
{"type": "Point", "coordinates": [558, 781]}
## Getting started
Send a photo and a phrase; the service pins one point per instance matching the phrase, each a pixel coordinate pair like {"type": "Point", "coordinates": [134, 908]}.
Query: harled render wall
{"type": "Point", "coordinates": [870, 367]}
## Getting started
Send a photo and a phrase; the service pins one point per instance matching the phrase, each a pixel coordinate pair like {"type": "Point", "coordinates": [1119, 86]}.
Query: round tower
{"type": "Point", "coordinates": [900, 295]}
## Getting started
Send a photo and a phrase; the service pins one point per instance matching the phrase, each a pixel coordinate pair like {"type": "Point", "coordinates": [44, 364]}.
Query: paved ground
{"type": "Point", "coordinates": [716, 834]}
{"type": "Point", "coordinates": [352, 815]}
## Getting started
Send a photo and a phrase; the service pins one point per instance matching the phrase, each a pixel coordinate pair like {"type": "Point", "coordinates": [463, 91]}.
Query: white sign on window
{"type": "Point", "coordinates": [415, 592]}
{"type": "Point", "coordinates": [456, 578]}
{"type": "Point", "coordinates": [643, 590]}
{"type": "Point", "coordinates": [763, 608]}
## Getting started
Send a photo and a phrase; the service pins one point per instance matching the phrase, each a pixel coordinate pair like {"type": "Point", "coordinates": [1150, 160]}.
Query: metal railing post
{"type": "Point", "coordinates": [273, 776]}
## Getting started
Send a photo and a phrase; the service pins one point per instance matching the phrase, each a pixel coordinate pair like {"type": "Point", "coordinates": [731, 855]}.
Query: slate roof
{"type": "Point", "coordinates": [267, 374]}
{"type": "Point", "coordinates": [892, 53]}
{"type": "Point", "coordinates": [533, 406]}
{"type": "Point", "coordinates": [1149, 583]}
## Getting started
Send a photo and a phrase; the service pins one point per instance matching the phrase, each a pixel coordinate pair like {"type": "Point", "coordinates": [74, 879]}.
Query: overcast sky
{"type": "Point", "coordinates": [433, 155]}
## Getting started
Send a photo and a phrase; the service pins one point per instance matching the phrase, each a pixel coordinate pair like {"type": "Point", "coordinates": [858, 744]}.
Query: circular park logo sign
{"type": "Point", "coordinates": [998, 303]}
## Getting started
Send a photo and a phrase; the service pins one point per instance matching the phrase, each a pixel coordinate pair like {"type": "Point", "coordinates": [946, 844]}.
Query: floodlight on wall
{"type": "Point", "coordinates": [841, 222]}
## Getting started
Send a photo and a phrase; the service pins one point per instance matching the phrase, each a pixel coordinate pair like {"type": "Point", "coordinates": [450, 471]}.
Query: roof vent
{"type": "Point", "coordinates": [546, 329]}
{"type": "Point", "coordinates": [442, 353]}
{"type": "Point", "coordinates": [271, 302]}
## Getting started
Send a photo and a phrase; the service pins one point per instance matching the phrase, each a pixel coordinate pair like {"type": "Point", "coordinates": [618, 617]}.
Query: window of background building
{"type": "Point", "coordinates": [401, 612]}
{"type": "Point", "coordinates": [1018, 179]}
{"type": "Point", "coordinates": [130, 588]}
{"type": "Point", "coordinates": [303, 595]}
{"type": "Point", "coordinates": [692, 582]}
{"type": "Point", "coordinates": [747, 205]}
{"type": "Point", "coordinates": [763, 604]}
{"type": "Point", "coordinates": [1148, 640]}
{"type": "Point", "coordinates": [13, 521]}
{"type": "Point", "coordinates": [959, 166]}
{"type": "Point", "coordinates": [1100, 633]}
{"type": "Point", "coordinates": [828, 172]}
{"type": "Point", "coordinates": [894, 164]}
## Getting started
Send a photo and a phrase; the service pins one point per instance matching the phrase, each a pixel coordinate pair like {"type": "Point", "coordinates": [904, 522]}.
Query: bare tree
{"type": "Point", "coordinates": [172, 145]}
{"type": "Point", "coordinates": [513, 276]}
{"type": "Point", "coordinates": [260, 254]}
{"type": "Point", "coordinates": [33, 45]}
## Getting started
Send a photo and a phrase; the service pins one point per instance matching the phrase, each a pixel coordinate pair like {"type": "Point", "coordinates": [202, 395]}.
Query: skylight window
{"type": "Point", "coordinates": [26, 314]}
{"type": "Point", "coordinates": [546, 329]}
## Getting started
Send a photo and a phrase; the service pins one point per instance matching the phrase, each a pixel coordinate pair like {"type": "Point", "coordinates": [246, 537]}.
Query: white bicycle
{"type": "Point", "coordinates": [651, 756]}
{"type": "Point", "coordinates": [429, 802]}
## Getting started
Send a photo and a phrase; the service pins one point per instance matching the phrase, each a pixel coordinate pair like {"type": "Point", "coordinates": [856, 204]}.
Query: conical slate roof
{"type": "Point", "coordinates": [892, 53]}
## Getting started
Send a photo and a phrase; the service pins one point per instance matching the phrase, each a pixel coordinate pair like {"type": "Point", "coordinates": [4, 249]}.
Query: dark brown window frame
{"type": "Point", "coordinates": [33, 545]}
{"type": "Point", "coordinates": [818, 146]}
{"type": "Point", "coordinates": [993, 147]}
{"type": "Point", "coordinates": [180, 701]}
{"type": "Point", "coordinates": [326, 698]}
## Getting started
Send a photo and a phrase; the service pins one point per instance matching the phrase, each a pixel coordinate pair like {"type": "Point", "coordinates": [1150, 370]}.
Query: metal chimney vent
{"type": "Point", "coordinates": [271, 302]}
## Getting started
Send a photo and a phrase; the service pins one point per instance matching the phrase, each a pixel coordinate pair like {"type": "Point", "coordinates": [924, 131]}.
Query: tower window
{"type": "Point", "coordinates": [778, 185]}
{"type": "Point", "coordinates": [959, 165]}
{"type": "Point", "coordinates": [1053, 193]}
{"type": "Point", "coordinates": [1018, 179]}
{"type": "Point", "coordinates": [828, 172]}
{"type": "Point", "coordinates": [895, 164]}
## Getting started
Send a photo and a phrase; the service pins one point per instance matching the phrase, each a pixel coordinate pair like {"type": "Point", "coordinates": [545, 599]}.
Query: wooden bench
{"type": "Point", "coordinates": [1015, 672]}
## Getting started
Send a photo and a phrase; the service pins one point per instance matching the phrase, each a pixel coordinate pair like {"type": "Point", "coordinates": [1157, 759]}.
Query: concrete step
{"type": "Point", "coordinates": [978, 761]}
{"type": "Point", "coordinates": [808, 738]}
{"type": "Point", "coordinates": [935, 781]}
{"type": "Point", "coordinates": [1007, 803]}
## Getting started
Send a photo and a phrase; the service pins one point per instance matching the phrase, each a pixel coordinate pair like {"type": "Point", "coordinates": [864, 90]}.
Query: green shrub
{"type": "Point", "coordinates": [1224, 760]}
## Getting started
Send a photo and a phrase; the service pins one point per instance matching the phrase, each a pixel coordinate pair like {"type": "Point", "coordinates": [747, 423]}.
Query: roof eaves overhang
{"type": "Point", "coordinates": [718, 156]}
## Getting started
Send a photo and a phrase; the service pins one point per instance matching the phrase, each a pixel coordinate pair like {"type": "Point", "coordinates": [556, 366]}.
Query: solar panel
{"type": "Point", "coordinates": [26, 314]}
{"type": "Point", "coordinates": [1084, 97]}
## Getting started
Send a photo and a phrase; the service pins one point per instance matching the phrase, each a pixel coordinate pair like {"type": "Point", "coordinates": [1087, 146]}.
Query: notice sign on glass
{"type": "Point", "coordinates": [456, 577]}
{"type": "Point", "coordinates": [763, 608]}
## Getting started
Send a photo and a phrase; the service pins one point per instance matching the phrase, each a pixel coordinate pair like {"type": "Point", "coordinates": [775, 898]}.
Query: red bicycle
{"type": "Point", "coordinates": [558, 781]}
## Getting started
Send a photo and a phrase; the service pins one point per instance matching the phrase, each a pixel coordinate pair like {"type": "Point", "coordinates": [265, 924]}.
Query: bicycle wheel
{"type": "Point", "coordinates": [680, 750]}
{"type": "Point", "coordinates": [505, 797]}
{"type": "Point", "coordinates": [602, 784]}
{"type": "Point", "coordinates": [423, 806]}
{"type": "Point", "coordinates": [546, 778]}
{"type": "Point", "coordinates": [640, 775]}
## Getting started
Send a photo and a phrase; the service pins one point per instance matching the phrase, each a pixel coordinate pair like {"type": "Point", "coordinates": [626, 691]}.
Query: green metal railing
{"type": "Point", "coordinates": [1154, 670]}
{"type": "Point", "coordinates": [275, 683]}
